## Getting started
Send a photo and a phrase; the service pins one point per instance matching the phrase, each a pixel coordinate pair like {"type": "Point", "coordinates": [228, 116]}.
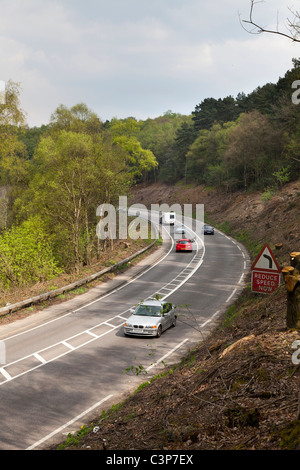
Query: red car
{"type": "Point", "coordinates": [185, 244]}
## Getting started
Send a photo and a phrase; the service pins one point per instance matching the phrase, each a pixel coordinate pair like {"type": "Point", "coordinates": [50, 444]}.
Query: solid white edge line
{"type": "Point", "coordinates": [231, 295]}
{"type": "Point", "coordinates": [166, 355]}
{"type": "Point", "coordinates": [210, 319]}
{"type": "Point", "coordinates": [36, 444]}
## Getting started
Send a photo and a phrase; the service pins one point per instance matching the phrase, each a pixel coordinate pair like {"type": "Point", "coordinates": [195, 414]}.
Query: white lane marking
{"type": "Point", "coordinates": [149, 368]}
{"type": "Point", "coordinates": [210, 319]}
{"type": "Point", "coordinates": [94, 336]}
{"type": "Point", "coordinates": [127, 283]}
{"type": "Point", "coordinates": [78, 417]}
{"type": "Point", "coordinates": [40, 358]}
{"type": "Point", "coordinates": [65, 343]}
{"type": "Point", "coordinates": [69, 423]}
{"type": "Point", "coordinates": [91, 333]}
{"type": "Point", "coordinates": [5, 374]}
{"type": "Point", "coordinates": [72, 348]}
{"type": "Point", "coordinates": [231, 295]}
{"type": "Point", "coordinates": [196, 257]}
{"type": "Point", "coordinates": [97, 300]}
{"type": "Point", "coordinates": [166, 355]}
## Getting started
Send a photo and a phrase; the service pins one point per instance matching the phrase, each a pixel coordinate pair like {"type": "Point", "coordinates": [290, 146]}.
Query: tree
{"type": "Point", "coordinates": [293, 28]}
{"type": "Point", "coordinates": [211, 111]}
{"type": "Point", "coordinates": [30, 136]}
{"type": "Point", "coordinates": [11, 114]}
{"type": "Point", "coordinates": [291, 275]}
{"type": "Point", "coordinates": [159, 135]}
{"type": "Point", "coordinates": [12, 119]}
{"type": "Point", "coordinates": [206, 154]}
{"type": "Point", "coordinates": [140, 161]}
{"type": "Point", "coordinates": [185, 136]}
{"type": "Point", "coordinates": [13, 155]}
{"type": "Point", "coordinates": [73, 173]}
{"type": "Point", "coordinates": [78, 118]}
{"type": "Point", "coordinates": [254, 150]}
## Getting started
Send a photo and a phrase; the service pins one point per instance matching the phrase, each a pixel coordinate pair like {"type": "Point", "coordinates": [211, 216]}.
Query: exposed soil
{"type": "Point", "coordinates": [274, 221]}
{"type": "Point", "coordinates": [239, 388]}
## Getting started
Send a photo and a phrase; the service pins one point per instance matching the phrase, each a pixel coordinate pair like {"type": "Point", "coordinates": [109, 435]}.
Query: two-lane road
{"type": "Point", "coordinates": [60, 372]}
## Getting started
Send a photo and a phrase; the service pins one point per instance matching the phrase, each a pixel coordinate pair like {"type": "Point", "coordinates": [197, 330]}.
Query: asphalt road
{"type": "Point", "coordinates": [65, 365]}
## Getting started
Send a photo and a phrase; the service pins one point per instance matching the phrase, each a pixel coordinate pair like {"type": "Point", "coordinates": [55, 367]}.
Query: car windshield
{"type": "Point", "coordinates": [184, 242]}
{"type": "Point", "coordinates": [148, 310]}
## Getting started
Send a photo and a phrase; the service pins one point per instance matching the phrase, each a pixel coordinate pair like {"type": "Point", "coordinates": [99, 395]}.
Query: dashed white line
{"type": "Point", "coordinates": [91, 333]}
{"type": "Point", "coordinates": [65, 343]}
{"type": "Point", "coordinates": [40, 358]}
{"type": "Point", "coordinates": [5, 374]}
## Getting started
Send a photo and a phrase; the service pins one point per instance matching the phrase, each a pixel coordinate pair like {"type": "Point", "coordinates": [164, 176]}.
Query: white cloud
{"type": "Point", "coordinates": [135, 58]}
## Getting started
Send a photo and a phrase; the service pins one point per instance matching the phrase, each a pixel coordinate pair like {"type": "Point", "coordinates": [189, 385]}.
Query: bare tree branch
{"type": "Point", "coordinates": [293, 26]}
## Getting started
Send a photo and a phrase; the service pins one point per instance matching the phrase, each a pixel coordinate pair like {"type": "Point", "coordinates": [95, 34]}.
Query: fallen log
{"type": "Point", "coordinates": [235, 345]}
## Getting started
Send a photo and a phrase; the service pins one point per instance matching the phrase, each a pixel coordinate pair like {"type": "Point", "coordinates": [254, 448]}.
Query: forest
{"type": "Point", "coordinates": [53, 177]}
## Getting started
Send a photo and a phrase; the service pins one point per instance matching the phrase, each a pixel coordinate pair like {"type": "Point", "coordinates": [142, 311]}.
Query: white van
{"type": "Point", "coordinates": [167, 218]}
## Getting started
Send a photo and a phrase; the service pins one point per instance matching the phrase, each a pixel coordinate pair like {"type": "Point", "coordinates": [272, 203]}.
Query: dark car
{"type": "Point", "coordinates": [208, 229]}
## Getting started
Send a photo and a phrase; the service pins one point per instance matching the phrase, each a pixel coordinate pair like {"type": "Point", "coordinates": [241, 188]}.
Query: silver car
{"type": "Point", "coordinates": [180, 230]}
{"type": "Point", "coordinates": [150, 318]}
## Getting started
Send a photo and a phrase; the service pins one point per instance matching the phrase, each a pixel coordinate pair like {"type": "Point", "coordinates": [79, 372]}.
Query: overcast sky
{"type": "Point", "coordinates": [138, 58]}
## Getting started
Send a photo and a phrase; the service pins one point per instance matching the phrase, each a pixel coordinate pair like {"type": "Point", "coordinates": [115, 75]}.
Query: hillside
{"type": "Point", "coordinates": [242, 397]}
{"type": "Point", "coordinates": [258, 217]}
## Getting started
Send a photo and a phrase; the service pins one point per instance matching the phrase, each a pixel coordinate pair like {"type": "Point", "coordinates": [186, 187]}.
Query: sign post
{"type": "Point", "coordinates": [265, 272]}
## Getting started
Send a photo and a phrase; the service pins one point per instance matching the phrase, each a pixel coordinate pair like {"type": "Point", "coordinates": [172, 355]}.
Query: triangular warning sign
{"type": "Point", "coordinates": [266, 261]}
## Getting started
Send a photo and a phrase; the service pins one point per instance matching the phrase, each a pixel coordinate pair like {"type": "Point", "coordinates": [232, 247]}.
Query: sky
{"type": "Point", "coordinates": [138, 58]}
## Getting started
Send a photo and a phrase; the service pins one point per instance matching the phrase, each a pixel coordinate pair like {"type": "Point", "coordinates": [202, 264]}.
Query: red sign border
{"type": "Point", "coordinates": [253, 268]}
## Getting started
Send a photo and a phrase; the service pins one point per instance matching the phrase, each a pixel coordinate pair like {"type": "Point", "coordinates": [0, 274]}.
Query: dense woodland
{"type": "Point", "coordinates": [53, 177]}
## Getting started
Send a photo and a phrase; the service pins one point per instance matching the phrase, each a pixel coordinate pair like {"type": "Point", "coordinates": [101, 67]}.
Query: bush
{"type": "Point", "coordinates": [26, 255]}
